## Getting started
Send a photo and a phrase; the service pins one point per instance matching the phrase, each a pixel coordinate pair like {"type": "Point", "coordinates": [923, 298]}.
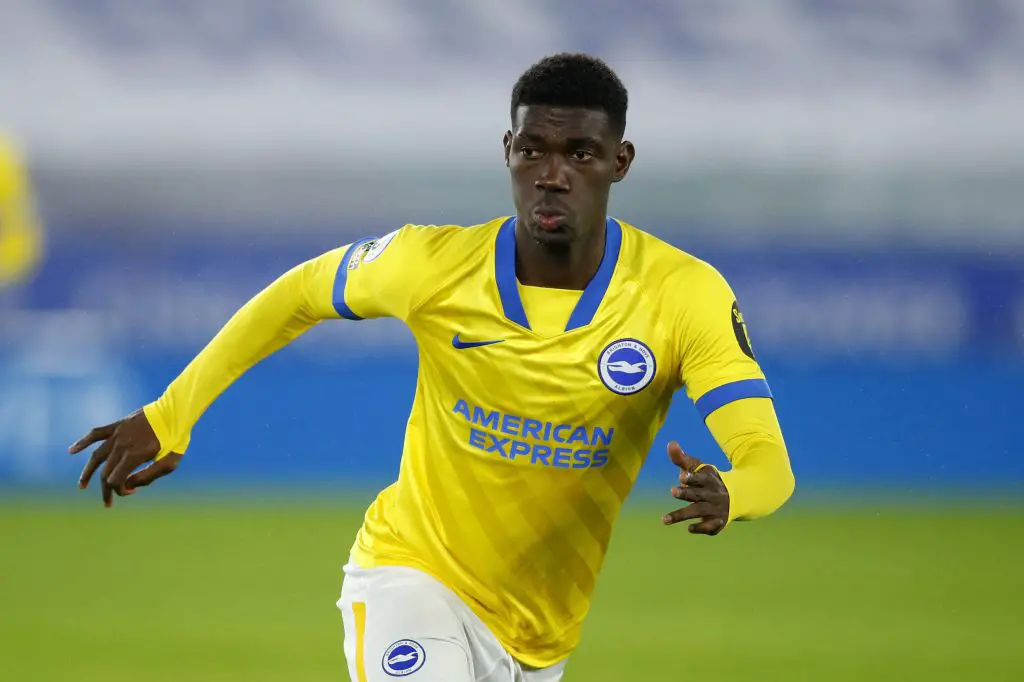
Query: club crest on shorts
{"type": "Point", "coordinates": [626, 366]}
{"type": "Point", "coordinates": [402, 658]}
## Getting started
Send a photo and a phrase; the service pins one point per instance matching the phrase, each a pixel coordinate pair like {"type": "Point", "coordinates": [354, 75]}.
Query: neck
{"type": "Point", "coordinates": [569, 266]}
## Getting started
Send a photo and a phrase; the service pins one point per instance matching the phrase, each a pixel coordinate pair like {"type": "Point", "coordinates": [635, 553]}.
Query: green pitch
{"type": "Point", "coordinates": [193, 590]}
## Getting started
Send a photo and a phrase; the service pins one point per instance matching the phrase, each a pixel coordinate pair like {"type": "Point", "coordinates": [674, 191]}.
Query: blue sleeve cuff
{"type": "Point", "coordinates": [341, 279]}
{"type": "Point", "coordinates": [727, 393]}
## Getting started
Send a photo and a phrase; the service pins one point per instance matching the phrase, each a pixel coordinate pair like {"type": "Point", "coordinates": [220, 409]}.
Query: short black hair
{"type": "Point", "coordinates": [573, 80]}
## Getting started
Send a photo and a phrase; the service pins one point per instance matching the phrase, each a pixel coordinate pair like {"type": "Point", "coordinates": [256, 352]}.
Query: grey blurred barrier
{"type": "Point", "coordinates": [836, 121]}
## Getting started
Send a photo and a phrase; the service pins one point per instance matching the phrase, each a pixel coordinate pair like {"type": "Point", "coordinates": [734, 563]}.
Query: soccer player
{"type": "Point", "coordinates": [550, 345]}
{"type": "Point", "coordinates": [21, 241]}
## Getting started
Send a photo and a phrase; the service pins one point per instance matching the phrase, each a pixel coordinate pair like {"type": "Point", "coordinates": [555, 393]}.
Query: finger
{"type": "Point", "coordinates": [709, 526]}
{"type": "Point", "coordinates": [154, 471]}
{"type": "Point", "coordinates": [706, 476]}
{"type": "Point", "coordinates": [106, 491]}
{"type": "Point", "coordinates": [129, 463]}
{"type": "Point", "coordinates": [681, 459]}
{"type": "Point", "coordinates": [95, 435]}
{"type": "Point", "coordinates": [689, 494]}
{"type": "Point", "coordinates": [693, 511]}
{"type": "Point", "coordinates": [98, 456]}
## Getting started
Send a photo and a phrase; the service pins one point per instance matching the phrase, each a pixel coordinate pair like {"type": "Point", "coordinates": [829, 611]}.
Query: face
{"type": "Point", "coordinates": [563, 162]}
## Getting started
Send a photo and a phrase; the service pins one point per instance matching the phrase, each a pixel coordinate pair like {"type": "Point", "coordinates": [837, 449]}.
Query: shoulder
{"type": "Point", "coordinates": [677, 279]}
{"type": "Point", "coordinates": [434, 242]}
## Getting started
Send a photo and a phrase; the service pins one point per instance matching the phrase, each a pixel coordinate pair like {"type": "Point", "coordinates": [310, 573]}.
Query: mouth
{"type": "Point", "coordinates": [550, 219]}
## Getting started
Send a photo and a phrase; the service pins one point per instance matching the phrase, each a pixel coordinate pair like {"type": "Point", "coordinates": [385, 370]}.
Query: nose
{"type": "Point", "coordinates": [554, 176]}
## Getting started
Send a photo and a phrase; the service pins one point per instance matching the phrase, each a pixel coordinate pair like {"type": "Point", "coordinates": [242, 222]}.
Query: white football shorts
{"type": "Point", "coordinates": [400, 622]}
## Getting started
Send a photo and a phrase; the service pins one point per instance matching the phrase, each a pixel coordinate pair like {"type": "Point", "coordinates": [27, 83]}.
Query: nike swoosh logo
{"type": "Point", "coordinates": [461, 345]}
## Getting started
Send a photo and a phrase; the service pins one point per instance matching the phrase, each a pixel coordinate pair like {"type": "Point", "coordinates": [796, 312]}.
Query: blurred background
{"type": "Point", "coordinates": [855, 168]}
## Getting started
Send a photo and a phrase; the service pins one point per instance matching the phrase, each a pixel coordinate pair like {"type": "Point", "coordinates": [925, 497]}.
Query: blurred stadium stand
{"type": "Point", "coordinates": [854, 168]}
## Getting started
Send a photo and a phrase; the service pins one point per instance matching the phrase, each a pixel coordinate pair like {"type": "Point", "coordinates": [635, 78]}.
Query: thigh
{"type": "Point", "coordinates": [398, 623]}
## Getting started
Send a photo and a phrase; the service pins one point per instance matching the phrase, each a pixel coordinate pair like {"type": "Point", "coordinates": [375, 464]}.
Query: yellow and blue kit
{"type": "Point", "coordinates": [534, 407]}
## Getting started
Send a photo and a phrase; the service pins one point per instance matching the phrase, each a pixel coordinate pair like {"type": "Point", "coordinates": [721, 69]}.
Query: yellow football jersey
{"type": "Point", "coordinates": [534, 410]}
{"type": "Point", "coordinates": [534, 407]}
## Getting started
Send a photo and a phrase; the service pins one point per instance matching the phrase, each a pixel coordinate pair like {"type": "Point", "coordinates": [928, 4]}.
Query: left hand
{"type": "Point", "coordinates": [700, 485]}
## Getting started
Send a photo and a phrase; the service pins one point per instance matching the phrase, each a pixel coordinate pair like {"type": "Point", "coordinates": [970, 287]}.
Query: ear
{"type": "Point", "coordinates": [624, 159]}
{"type": "Point", "coordinates": [507, 142]}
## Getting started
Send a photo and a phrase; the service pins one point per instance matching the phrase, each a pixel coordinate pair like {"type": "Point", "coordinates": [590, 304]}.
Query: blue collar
{"type": "Point", "coordinates": [590, 300]}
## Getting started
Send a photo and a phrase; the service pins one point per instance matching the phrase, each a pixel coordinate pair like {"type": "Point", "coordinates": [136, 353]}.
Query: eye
{"type": "Point", "coordinates": [582, 155]}
{"type": "Point", "coordinates": [530, 153]}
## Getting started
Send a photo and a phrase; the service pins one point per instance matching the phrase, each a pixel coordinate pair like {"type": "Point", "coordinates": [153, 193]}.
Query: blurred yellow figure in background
{"type": "Point", "coordinates": [21, 238]}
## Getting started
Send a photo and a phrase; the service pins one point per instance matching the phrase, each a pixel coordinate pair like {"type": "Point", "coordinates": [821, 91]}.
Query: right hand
{"type": "Point", "coordinates": [127, 444]}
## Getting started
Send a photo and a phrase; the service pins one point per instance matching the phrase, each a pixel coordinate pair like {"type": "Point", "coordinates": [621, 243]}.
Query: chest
{"type": "Point", "coordinates": [622, 361]}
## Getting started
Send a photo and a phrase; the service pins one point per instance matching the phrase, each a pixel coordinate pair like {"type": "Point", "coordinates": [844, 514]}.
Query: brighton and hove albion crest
{"type": "Point", "coordinates": [402, 658]}
{"type": "Point", "coordinates": [626, 366]}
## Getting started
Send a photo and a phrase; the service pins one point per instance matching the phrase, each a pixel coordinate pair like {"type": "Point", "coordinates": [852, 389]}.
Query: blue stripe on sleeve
{"type": "Point", "coordinates": [727, 393]}
{"type": "Point", "coordinates": [341, 278]}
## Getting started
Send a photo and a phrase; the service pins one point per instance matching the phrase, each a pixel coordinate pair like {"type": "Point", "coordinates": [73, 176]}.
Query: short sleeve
{"type": "Point", "coordinates": [383, 276]}
{"type": "Point", "coordinates": [718, 365]}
